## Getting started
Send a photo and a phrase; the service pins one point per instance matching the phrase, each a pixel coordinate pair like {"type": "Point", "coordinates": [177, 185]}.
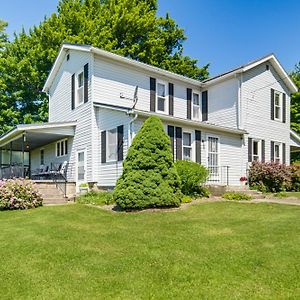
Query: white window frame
{"type": "Point", "coordinates": [258, 156]}
{"type": "Point", "coordinates": [78, 182]}
{"type": "Point", "coordinates": [79, 88]}
{"type": "Point", "coordinates": [279, 94]}
{"type": "Point", "coordinates": [166, 97]}
{"type": "Point", "coordinates": [108, 154]}
{"type": "Point", "coordinates": [59, 153]}
{"type": "Point", "coordinates": [278, 158]}
{"type": "Point", "coordinates": [196, 106]}
{"type": "Point", "coordinates": [214, 171]}
{"type": "Point", "coordinates": [185, 146]}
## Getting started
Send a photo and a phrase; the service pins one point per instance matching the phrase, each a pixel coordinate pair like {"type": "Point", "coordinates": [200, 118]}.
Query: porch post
{"type": "Point", "coordinates": [23, 156]}
{"type": "Point", "coordinates": [10, 160]}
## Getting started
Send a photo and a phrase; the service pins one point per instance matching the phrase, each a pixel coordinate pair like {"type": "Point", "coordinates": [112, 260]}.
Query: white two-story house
{"type": "Point", "coordinates": [99, 100]}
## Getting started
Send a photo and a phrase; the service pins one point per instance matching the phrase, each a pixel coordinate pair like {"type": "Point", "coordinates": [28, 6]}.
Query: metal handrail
{"type": "Point", "coordinates": [218, 174]}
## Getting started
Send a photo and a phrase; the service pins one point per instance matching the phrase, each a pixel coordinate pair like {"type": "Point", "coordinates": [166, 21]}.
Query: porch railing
{"type": "Point", "coordinates": [218, 175]}
{"type": "Point", "coordinates": [14, 171]}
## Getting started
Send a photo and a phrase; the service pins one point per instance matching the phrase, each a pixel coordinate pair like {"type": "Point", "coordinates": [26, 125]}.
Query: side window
{"type": "Point", "coordinates": [42, 162]}
{"type": "Point", "coordinates": [187, 145]}
{"type": "Point", "coordinates": [161, 97]}
{"type": "Point", "coordinates": [196, 106]}
{"type": "Point", "coordinates": [62, 148]}
{"type": "Point", "coordinates": [277, 105]}
{"type": "Point", "coordinates": [256, 150]}
{"type": "Point", "coordinates": [80, 88]}
{"type": "Point", "coordinates": [277, 153]}
{"type": "Point", "coordinates": [112, 145]}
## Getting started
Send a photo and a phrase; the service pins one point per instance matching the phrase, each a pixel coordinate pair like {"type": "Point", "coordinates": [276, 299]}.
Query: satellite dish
{"type": "Point", "coordinates": [135, 97]}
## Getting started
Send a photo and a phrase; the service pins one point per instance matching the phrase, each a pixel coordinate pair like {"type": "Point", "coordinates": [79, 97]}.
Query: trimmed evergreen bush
{"type": "Point", "coordinates": [149, 177]}
{"type": "Point", "coordinates": [192, 176]}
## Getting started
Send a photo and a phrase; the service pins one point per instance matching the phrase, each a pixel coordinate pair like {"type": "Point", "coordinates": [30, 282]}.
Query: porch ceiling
{"type": "Point", "coordinates": [36, 136]}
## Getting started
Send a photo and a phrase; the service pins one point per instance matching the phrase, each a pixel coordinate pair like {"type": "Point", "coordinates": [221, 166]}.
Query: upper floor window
{"type": "Point", "coordinates": [187, 145]}
{"type": "Point", "coordinates": [161, 97]}
{"type": "Point", "coordinates": [196, 106]}
{"type": "Point", "coordinates": [277, 105]}
{"type": "Point", "coordinates": [80, 88]}
{"type": "Point", "coordinates": [112, 145]}
{"type": "Point", "coordinates": [62, 148]}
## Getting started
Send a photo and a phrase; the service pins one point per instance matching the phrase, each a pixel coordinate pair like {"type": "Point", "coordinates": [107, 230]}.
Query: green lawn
{"type": "Point", "coordinates": [211, 251]}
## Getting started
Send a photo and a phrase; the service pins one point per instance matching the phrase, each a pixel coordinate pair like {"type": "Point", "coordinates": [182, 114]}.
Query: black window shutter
{"type": "Point", "coordinates": [283, 107]}
{"type": "Point", "coordinates": [73, 90]}
{"type": "Point", "coordinates": [189, 103]}
{"type": "Point", "coordinates": [205, 106]}
{"type": "Point", "coordinates": [263, 151]}
{"type": "Point", "coordinates": [86, 83]}
{"type": "Point", "coordinates": [198, 146]}
{"type": "Point", "coordinates": [171, 133]}
{"type": "Point", "coordinates": [272, 151]}
{"type": "Point", "coordinates": [152, 93]}
{"type": "Point", "coordinates": [120, 131]}
{"type": "Point", "coordinates": [103, 146]}
{"type": "Point", "coordinates": [249, 149]}
{"type": "Point", "coordinates": [272, 103]}
{"type": "Point", "coordinates": [283, 153]}
{"type": "Point", "coordinates": [171, 99]}
{"type": "Point", "coordinates": [178, 143]}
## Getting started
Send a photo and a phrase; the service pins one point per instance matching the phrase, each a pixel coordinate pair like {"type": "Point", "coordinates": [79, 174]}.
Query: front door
{"type": "Point", "coordinates": [81, 167]}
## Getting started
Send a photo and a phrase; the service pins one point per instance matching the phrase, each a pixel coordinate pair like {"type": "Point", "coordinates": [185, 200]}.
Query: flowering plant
{"type": "Point", "coordinates": [243, 178]}
{"type": "Point", "coordinates": [19, 193]}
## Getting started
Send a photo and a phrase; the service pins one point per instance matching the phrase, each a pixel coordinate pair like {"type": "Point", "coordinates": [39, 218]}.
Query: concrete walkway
{"type": "Point", "coordinates": [288, 200]}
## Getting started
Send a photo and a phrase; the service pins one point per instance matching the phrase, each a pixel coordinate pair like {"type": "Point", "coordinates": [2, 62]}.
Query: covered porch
{"type": "Point", "coordinates": [294, 142]}
{"type": "Point", "coordinates": [37, 151]}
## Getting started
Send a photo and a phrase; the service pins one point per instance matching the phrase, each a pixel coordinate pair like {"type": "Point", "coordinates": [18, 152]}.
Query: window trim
{"type": "Point", "coordinates": [116, 146]}
{"type": "Point", "coordinates": [194, 105]}
{"type": "Point", "coordinates": [77, 103]}
{"type": "Point", "coordinates": [166, 97]}
{"type": "Point", "coordinates": [278, 106]}
{"type": "Point", "coordinates": [190, 147]}
{"type": "Point", "coordinates": [65, 152]}
{"type": "Point", "coordinates": [219, 148]}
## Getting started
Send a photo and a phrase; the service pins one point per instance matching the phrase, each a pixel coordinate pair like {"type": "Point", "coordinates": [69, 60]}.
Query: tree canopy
{"type": "Point", "coordinates": [129, 27]}
{"type": "Point", "coordinates": [295, 101]}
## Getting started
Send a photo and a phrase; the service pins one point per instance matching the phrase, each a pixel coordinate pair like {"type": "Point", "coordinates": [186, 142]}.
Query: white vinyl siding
{"type": "Point", "coordinates": [256, 109]}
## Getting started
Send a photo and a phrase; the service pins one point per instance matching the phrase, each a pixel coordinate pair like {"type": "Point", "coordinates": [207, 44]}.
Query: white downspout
{"type": "Point", "coordinates": [130, 128]}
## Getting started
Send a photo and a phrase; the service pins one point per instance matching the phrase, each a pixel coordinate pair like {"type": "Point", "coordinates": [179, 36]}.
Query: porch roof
{"type": "Point", "coordinates": [36, 135]}
{"type": "Point", "coordinates": [294, 141]}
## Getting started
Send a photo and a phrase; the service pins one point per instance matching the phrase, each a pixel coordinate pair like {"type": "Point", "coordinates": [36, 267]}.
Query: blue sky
{"type": "Point", "coordinates": [224, 33]}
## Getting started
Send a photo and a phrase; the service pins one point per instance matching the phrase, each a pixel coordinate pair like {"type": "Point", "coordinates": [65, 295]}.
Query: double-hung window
{"type": "Point", "coordinates": [112, 145]}
{"type": "Point", "coordinates": [80, 88]}
{"type": "Point", "coordinates": [277, 105]}
{"type": "Point", "coordinates": [187, 145]}
{"type": "Point", "coordinates": [255, 150]}
{"type": "Point", "coordinates": [161, 97]}
{"type": "Point", "coordinates": [62, 148]}
{"type": "Point", "coordinates": [196, 106]}
{"type": "Point", "coordinates": [277, 151]}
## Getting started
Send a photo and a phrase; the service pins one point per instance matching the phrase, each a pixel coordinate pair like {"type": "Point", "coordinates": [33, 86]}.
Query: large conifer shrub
{"type": "Point", "coordinates": [149, 176]}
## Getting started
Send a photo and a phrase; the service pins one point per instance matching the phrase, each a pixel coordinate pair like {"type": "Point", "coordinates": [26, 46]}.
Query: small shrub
{"type": "Point", "coordinates": [186, 199]}
{"type": "Point", "coordinates": [295, 174]}
{"type": "Point", "coordinates": [270, 177]}
{"type": "Point", "coordinates": [192, 177]}
{"type": "Point", "coordinates": [237, 196]}
{"type": "Point", "coordinates": [281, 195]}
{"type": "Point", "coordinates": [96, 198]}
{"type": "Point", "coordinates": [19, 194]}
{"type": "Point", "coordinates": [83, 185]}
